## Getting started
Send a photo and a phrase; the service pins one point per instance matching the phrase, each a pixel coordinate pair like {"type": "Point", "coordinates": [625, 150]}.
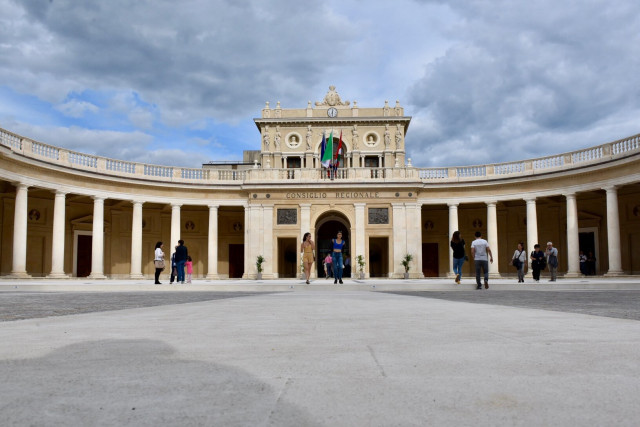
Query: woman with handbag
{"type": "Point", "coordinates": [158, 261]}
{"type": "Point", "coordinates": [518, 260]}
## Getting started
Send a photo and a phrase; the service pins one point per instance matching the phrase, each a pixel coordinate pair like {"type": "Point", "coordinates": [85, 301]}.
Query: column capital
{"type": "Point", "coordinates": [529, 200]}
{"type": "Point", "coordinates": [453, 205]}
{"type": "Point", "coordinates": [304, 205]}
{"type": "Point", "coordinates": [491, 202]}
{"type": "Point", "coordinates": [610, 188]}
{"type": "Point", "coordinates": [176, 205]}
{"type": "Point", "coordinates": [211, 207]}
{"type": "Point", "coordinates": [570, 195]}
{"type": "Point", "coordinates": [359, 205]}
{"type": "Point", "coordinates": [60, 192]}
{"type": "Point", "coordinates": [98, 198]}
{"type": "Point", "coordinates": [138, 202]}
{"type": "Point", "coordinates": [20, 185]}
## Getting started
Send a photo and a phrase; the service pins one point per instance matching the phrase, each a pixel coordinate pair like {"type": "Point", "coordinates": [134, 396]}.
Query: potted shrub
{"type": "Point", "coordinates": [259, 261]}
{"type": "Point", "coordinates": [406, 263]}
{"type": "Point", "coordinates": [361, 264]}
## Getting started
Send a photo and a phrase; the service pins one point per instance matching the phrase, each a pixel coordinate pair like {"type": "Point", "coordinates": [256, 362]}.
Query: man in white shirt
{"type": "Point", "coordinates": [552, 260]}
{"type": "Point", "coordinates": [480, 251]}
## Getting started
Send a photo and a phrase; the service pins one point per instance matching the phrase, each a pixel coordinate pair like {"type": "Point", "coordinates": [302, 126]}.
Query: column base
{"type": "Point", "coordinates": [136, 276]}
{"type": "Point", "coordinates": [614, 273]}
{"type": "Point", "coordinates": [18, 275]}
{"type": "Point", "coordinates": [57, 276]}
{"type": "Point", "coordinates": [495, 276]}
{"type": "Point", "coordinates": [572, 275]}
{"type": "Point", "coordinates": [96, 276]}
{"type": "Point", "coordinates": [212, 276]}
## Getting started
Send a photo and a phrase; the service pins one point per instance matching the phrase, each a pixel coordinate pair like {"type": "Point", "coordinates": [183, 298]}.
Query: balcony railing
{"type": "Point", "coordinates": [131, 170]}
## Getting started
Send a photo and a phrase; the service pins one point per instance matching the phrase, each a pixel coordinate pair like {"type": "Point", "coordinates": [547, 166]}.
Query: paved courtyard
{"type": "Point", "coordinates": [324, 357]}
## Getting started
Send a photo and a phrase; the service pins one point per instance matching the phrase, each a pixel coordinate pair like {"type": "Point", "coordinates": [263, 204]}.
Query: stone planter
{"type": "Point", "coordinates": [406, 275]}
{"type": "Point", "coordinates": [361, 275]}
{"type": "Point", "coordinates": [259, 276]}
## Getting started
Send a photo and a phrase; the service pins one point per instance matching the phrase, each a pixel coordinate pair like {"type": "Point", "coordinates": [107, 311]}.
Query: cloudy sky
{"type": "Point", "coordinates": [179, 83]}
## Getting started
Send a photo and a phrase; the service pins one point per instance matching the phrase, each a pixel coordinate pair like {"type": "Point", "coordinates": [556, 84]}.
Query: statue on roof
{"type": "Point", "coordinates": [332, 98]}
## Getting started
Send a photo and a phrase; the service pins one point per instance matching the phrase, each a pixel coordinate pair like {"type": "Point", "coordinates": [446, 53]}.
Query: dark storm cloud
{"type": "Point", "coordinates": [528, 79]}
{"type": "Point", "coordinates": [198, 59]}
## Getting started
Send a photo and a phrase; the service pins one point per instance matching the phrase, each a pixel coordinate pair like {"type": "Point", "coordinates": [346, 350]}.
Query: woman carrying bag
{"type": "Point", "coordinates": [518, 261]}
{"type": "Point", "coordinates": [158, 261]}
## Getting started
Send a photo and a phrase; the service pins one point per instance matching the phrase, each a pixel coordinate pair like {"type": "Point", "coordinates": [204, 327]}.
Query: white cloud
{"type": "Point", "coordinates": [76, 108]}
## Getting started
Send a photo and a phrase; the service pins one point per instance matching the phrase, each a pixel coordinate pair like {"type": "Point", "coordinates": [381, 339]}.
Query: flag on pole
{"type": "Point", "coordinates": [328, 152]}
{"type": "Point", "coordinates": [322, 146]}
{"type": "Point", "coordinates": [338, 152]}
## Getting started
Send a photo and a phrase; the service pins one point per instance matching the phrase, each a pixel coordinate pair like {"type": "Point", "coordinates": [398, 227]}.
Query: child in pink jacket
{"type": "Point", "coordinates": [189, 265]}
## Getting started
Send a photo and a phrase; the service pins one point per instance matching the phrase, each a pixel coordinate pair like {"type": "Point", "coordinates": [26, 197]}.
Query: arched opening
{"type": "Point", "coordinates": [327, 227]}
{"type": "Point", "coordinates": [338, 158]}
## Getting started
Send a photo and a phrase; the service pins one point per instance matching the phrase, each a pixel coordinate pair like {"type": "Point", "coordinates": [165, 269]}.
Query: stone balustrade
{"type": "Point", "coordinates": [132, 170]}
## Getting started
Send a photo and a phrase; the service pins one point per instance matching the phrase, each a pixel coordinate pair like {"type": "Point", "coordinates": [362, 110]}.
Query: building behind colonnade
{"type": "Point", "coordinates": [66, 213]}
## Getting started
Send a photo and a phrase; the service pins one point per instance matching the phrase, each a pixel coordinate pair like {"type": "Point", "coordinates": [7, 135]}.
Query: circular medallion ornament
{"type": "Point", "coordinates": [332, 112]}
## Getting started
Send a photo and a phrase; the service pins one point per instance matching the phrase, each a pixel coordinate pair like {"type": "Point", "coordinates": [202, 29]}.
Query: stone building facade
{"type": "Point", "coordinates": [64, 213]}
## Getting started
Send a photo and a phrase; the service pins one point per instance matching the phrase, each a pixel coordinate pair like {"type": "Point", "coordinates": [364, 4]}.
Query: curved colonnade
{"type": "Point", "coordinates": [52, 197]}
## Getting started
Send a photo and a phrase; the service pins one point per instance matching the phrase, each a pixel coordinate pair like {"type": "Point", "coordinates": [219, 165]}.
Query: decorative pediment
{"type": "Point", "coordinates": [332, 98]}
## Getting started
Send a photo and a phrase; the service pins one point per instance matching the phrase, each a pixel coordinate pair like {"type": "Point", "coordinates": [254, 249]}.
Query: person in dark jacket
{"type": "Point", "coordinates": [457, 244]}
{"type": "Point", "coordinates": [181, 258]}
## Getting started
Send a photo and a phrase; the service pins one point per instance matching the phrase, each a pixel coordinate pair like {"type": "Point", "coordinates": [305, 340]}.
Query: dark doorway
{"type": "Point", "coordinates": [378, 257]}
{"type": "Point", "coordinates": [430, 260]}
{"type": "Point", "coordinates": [294, 162]}
{"type": "Point", "coordinates": [588, 247]}
{"type": "Point", "coordinates": [236, 261]}
{"type": "Point", "coordinates": [327, 230]}
{"type": "Point", "coordinates": [287, 257]}
{"type": "Point", "coordinates": [83, 257]}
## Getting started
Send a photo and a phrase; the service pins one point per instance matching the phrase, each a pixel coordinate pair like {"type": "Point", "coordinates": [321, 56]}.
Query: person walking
{"type": "Point", "coordinates": [182, 253]}
{"type": "Point", "coordinates": [189, 266]}
{"type": "Point", "coordinates": [552, 260]}
{"type": "Point", "coordinates": [338, 245]}
{"type": "Point", "coordinates": [308, 251]}
{"type": "Point", "coordinates": [480, 251]}
{"type": "Point", "coordinates": [158, 261]}
{"type": "Point", "coordinates": [519, 259]}
{"type": "Point", "coordinates": [328, 269]}
{"type": "Point", "coordinates": [457, 244]}
{"type": "Point", "coordinates": [538, 261]}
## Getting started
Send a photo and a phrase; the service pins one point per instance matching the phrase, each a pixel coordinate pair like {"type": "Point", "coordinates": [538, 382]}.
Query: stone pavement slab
{"type": "Point", "coordinates": [321, 358]}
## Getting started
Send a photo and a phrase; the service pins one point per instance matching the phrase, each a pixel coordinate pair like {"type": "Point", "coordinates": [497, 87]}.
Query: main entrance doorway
{"type": "Point", "coordinates": [327, 227]}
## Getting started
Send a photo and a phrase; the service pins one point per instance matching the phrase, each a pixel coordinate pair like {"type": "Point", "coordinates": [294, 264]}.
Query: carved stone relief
{"type": "Point", "coordinates": [287, 216]}
{"type": "Point", "coordinates": [378, 216]}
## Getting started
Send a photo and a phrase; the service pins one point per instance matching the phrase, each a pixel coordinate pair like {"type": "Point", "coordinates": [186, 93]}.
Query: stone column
{"type": "Point", "coordinates": [19, 265]}
{"type": "Point", "coordinates": [613, 232]}
{"type": "Point", "coordinates": [414, 238]}
{"type": "Point", "coordinates": [97, 240]}
{"type": "Point", "coordinates": [573, 237]}
{"type": "Point", "coordinates": [305, 226]}
{"type": "Point", "coordinates": [453, 226]}
{"type": "Point", "coordinates": [399, 238]}
{"type": "Point", "coordinates": [57, 244]}
{"type": "Point", "coordinates": [175, 227]}
{"type": "Point", "coordinates": [212, 244]}
{"type": "Point", "coordinates": [532, 229]}
{"type": "Point", "coordinates": [360, 239]}
{"type": "Point", "coordinates": [492, 238]}
{"type": "Point", "coordinates": [268, 237]}
{"type": "Point", "coordinates": [136, 241]}
{"type": "Point", "coordinates": [247, 242]}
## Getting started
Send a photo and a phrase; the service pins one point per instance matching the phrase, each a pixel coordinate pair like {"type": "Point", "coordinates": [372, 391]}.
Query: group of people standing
{"type": "Point", "coordinates": [180, 260]}
{"type": "Point", "coordinates": [334, 263]}
{"type": "Point", "coordinates": [482, 256]}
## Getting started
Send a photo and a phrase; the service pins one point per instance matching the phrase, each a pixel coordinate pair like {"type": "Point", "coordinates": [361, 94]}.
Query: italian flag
{"type": "Point", "coordinates": [327, 157]}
